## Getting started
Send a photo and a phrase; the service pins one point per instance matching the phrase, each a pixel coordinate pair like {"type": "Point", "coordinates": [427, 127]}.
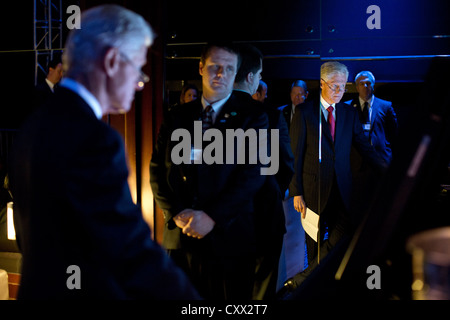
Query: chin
{"type": "Point", "coordinates": [120, 108]}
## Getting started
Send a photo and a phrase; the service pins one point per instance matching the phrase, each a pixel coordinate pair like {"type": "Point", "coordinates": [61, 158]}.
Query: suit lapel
{"type": "Point", "coordinates": [341, 116]}
{"type": "Point", "coordinates": [325, 127]}
{"type": "Point", "coordinates": [189, 113]}
{"type": "Point", "coordinates": [357, 105]}
{"type": "Point", "coordinates": [375, 110]}
{"type": "Point", "coordinates": [287, 114]}
{"type": "Point", "coordinates": [227, 115]}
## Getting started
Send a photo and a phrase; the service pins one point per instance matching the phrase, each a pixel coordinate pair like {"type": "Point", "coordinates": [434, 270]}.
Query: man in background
{"type": "Point", "coordinates": [269, 214]}
{"type": "Point", "coordinates": [261, 92]}
{"type": "Point", "coordinates": [379, 123]}
{"type": "Point", "coordinates": [298, 95]}
{"type": "Point", "coordinates": [341, 129]}
{"type": "Point", "coordinates": [209, 207]}
{"type": "Point", "coordinates": [377, 116]}
{"type": "Point", "coordinates": [45, 89]}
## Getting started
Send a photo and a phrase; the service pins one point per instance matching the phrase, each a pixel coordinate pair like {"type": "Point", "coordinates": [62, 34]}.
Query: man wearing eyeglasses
{"type": "Point", "coordinates": [326, 175]}
{"type": "Point", "coordinates": [80, 234]}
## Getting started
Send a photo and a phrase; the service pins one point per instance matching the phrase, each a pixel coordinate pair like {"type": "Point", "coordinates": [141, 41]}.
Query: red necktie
{"type": "Point", "coordinates": [330, 120]}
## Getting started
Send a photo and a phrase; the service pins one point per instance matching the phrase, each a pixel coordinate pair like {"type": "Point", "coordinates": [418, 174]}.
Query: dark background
{"type": "Point", "coordinates": [296, 37]}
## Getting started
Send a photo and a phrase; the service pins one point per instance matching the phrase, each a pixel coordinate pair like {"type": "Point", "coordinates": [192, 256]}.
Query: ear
{"type": "Point", "coordinates": [200, 68]}
{"type": "Point", "coordinates": [111, 61]}
{"type": "Point", "coordinates": [250, 77]}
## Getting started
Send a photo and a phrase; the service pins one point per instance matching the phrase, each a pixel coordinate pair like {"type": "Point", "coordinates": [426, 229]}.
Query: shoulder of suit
{"type": "Point", "coordinates": [186, 107]}
{"type": "Point", "coordinates": [346, 107]}
{"type": "Point", "coordinates": [245, 103]}
{"type": "Point", "coordinates": [354, 103]}
{"type": "Point", "coordinates": [307, 105]}
{"type": "Point", "coordinates": [41, 86]}
{"type": "Point", "coordinates": [69, 96]}
{"type": "Point", "coordinates": [382, 102]}
{"type": "Point", "coordinates": [283, 108]}
{"type": "Point", "coordinates": [243, 97]}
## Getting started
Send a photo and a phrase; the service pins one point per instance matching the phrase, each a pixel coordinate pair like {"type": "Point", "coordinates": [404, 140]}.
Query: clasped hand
{"type": "Point", "coordinates": [194, 223]}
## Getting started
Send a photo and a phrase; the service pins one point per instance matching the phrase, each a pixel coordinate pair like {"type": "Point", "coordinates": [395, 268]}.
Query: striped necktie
{"type": "Point", "coordinates": [207, 118]}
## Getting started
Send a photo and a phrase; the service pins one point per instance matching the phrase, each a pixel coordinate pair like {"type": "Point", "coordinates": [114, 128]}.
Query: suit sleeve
{"type": "Point", "coordinates": [391, 124]}
{"type": "Point", "coordinates": [286, 170]}
{"type": "Point", "coordinates": [298, 140]}
{"type": "Point", "coordinates": [364, 147]}
{"type": "Point", "coordinates": [243, 184]}
{"type": "Point", "coordinates": [166, 199]}
{"type": "Point", "coordinates": [113, 225]}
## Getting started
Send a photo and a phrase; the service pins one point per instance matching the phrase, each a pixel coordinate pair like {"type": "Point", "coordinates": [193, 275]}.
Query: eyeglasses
{"type": "Point", "coordinates": [335, 87]}
{"type": "Point", "coordinates": [143, 78]}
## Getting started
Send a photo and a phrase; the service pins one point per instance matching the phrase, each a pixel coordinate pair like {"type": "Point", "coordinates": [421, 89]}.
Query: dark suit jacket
{"type": "Point", "coordinates": [277, 121]}
{"type": "Point", "coordinates": [383, 129]}
{"type": "Point", "coordinates": [42, 93]}
{"type": "Point", "coordinates": [335, 156]}
{"type": "Point", "coordinates": [269, 212]}
{"type": "Point", "coordinates": [224, 191]}
{"type": "Point", "coordinates": [73, 207]}
{"type": "Point", "coordinates": [286, 110]}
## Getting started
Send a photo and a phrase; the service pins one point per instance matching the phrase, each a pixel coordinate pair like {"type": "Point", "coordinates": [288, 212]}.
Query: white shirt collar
{"type": "Point", "coordinates": [326, 104]}
{"type": "Point", "coordinates": [293, 108]}
{"type": "Point", "coordinates": [50, 84]}
{"type": "Point", "coordinates": [217, 106]}
{"type": "Point", "coordinates": [292, 111]}
{"type": "Point", "coordinates": [84, 93]}
{"type": "Point", "coordinates": [361, 102]}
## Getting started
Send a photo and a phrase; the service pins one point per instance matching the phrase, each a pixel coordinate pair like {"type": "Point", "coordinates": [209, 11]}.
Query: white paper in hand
{"type": "Point", "coordinates": [311, 223]}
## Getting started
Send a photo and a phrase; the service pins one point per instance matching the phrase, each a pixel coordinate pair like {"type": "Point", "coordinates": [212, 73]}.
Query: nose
{"type": "Point", "coordinates": [220, 72]}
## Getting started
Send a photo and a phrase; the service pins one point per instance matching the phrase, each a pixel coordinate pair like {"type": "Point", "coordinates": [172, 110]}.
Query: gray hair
{"type": "Point", "coordinates": [104, 27]}
{"type": "Point", "coordinates": [332, 68]}
{"type": "Point", "coordinates": [367, 74]}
